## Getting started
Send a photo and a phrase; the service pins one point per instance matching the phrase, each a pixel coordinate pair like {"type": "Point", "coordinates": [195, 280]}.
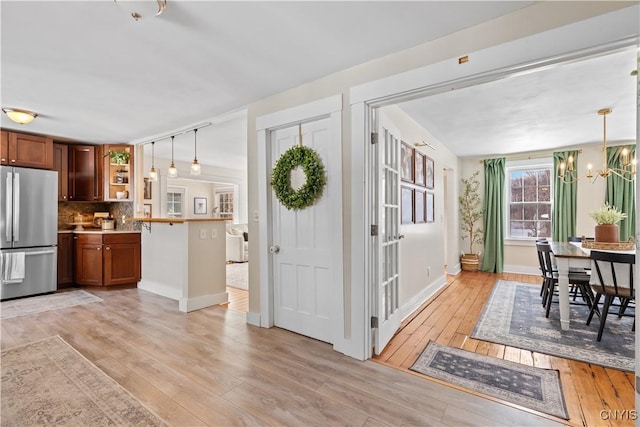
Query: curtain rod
{"type": "Point", "coordinates": [535, 156]}
{"type": "Point", "coordinates": [182, 132]}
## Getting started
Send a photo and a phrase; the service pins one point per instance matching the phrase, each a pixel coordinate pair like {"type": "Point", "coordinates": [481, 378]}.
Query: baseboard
{"type": "Point", "coordinates": [253, 318]}
{"type": "Point", "coordinates": [160, 289]}
{"type": "Point", "coordinates": [414, 303]}
{"type": "Point", "coordinates": [190, 304]}
{"type": "Point", "coordinates": [455, 270]}
{"type": "Point", "coordinates": [521, 269]}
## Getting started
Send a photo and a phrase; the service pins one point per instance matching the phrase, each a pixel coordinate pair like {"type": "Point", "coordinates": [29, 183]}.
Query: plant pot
{"type": "Point", "coordinates": [470, 262]}
{"type": "Point", "coordinates": [608, 233]}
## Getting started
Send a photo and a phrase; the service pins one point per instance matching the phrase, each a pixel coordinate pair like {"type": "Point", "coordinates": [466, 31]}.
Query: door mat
{"type": "Point", "coordinates": [514, 316]}
{"type": "Point", "coordinates": [33, 305]}
{"type": "Point", "coordinates": [49, 382]}
{"type": "Point", "coordinates": [535, 388]}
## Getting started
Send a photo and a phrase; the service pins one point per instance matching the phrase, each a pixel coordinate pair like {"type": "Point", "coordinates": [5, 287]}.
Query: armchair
{"type": "Point", "coordinates": [237, 243]}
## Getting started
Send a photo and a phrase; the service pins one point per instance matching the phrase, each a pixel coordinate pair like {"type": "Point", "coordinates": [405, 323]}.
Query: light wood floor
{"type": "Point", "coordinates": [238, 299]}
{"type": "Point", "coordinates": [209, 367]}
{"type": "Point", "coordinates": [450, 318]}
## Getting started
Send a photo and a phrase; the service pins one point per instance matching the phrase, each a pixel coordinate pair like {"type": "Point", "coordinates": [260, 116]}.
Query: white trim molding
{"type": "Point", "coordinates": [191, 304]}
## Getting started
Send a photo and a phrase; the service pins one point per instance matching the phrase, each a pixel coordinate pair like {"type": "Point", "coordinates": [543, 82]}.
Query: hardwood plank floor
{"type": "Point", "coordinates": [209, 367]}
{"type": "Point", "coordinates": [449, 319]}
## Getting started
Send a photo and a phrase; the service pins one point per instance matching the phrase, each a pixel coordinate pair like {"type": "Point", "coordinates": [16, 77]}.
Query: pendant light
{"type": "Point", "coordinates": [172, 172]}
{"type": "Point", "coordinates": [195, 166]}
{"type": "Point", "coordinates": [153, 173]}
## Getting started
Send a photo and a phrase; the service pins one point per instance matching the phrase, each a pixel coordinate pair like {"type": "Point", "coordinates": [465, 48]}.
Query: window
{"type": "Point", "coordinates": [225, 204]}
{"type": "Point", "coordinates": [529, 201]}
{"type": "Point", "coordinates": [175, 203]}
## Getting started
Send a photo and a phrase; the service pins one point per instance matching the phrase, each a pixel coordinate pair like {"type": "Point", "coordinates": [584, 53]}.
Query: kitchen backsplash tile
{"type": "Point", "coordinates": [117, 209]}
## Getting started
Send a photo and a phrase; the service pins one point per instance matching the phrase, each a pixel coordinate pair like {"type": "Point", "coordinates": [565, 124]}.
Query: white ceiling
{"type": "Point", "coordinates": [93, 74]}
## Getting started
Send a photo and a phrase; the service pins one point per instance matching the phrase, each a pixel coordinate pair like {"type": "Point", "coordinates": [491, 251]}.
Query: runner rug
{"type": "Point", "coordinates": [514, 316]}
{"type": "Point", "coordinates": [523, 385]}
{"type": "Point", "coordinates": [49, 382]}
{"type": "Point", "coordinates": [33, 305]}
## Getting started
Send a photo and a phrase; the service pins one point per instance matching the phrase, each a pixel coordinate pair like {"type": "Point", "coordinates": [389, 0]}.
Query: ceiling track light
{"type": "Point", "coordinates": [195, 166]}
{"type": "Point", "coordinates": [172, 172]}
{"type": "Point", "coordinates": [21, 117]}
{"type": "Point", "coordinates": [153, 173]}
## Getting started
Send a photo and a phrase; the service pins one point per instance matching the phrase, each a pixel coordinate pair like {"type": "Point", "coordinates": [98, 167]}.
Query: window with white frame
{"type": "Point", "coordinates": [225, 204]}
{"type": "Point", "coordinates": [175, 203]}
{"type": "Point", "coordinates": [529, 200]}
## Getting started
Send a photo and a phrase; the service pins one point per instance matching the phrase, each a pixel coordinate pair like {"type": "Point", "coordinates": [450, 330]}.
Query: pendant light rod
{"type": "Point", "coordinates": [181, 132]}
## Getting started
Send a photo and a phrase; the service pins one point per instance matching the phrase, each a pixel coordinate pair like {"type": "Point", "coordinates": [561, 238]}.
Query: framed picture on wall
{"type": "Point", "coordinates": [419, 206]}
{"type": "Point", "coordinates": [406, 206]}
{"type": "Point", "coordinates": [431, 217]}
{"type": "Point", "coordinates": [421, 178]}
{"type": "Point", "coordinates": [406, 162]}
{"type": "Point", "coordinates": [200, 205]}
{"type": "Point", "coordinates": [430, 172]}
{"type": "Point", "coordinates": [147, 188]}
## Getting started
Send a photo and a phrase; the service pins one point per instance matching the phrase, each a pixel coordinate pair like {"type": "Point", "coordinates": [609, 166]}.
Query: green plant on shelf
{"type": "Point", "coordinates": [119, 157]}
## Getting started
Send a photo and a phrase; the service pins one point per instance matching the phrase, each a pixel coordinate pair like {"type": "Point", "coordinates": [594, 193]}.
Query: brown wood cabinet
{"type": "Point", "coordinates": [118, 177]}
{"type": "Point", "coordinates": [61, 164]}
{"type": "Point", "coordinates": [66, 246]}
{"type": "Point", "coordinates": [108, 259]}
{"type": "Point", "coordinates": [32, 151]}
{"type": "Point", "coordinates": [85, 173]}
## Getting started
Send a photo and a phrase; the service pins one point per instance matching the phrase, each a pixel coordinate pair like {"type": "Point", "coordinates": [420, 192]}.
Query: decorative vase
{"type": "Point", "coordinates": [608, 233]}
{"type": "Point", "coordinates": [470, 262]}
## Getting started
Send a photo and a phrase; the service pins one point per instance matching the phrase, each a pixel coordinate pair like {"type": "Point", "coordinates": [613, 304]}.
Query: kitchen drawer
{"type": "Point", "coordinates": [89, 239]}
{"type": "Point", "coordinates": [111, 239]}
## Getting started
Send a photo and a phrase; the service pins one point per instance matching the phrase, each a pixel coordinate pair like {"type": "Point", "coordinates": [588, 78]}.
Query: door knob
{"type": "Point", "coordinates": [274, 249]}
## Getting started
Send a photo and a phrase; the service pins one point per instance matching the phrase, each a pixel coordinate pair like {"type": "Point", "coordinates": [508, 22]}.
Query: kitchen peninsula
{"type": "Point", "coordinates": [184, 259]}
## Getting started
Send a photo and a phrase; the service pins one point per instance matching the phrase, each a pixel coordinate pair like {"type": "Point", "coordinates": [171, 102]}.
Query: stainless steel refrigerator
{"type": "Point", "coordinates": [28, 231]}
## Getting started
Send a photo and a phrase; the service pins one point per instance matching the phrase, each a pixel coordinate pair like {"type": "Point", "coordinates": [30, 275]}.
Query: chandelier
{"type": "Point", "coordinates": [626, 169]}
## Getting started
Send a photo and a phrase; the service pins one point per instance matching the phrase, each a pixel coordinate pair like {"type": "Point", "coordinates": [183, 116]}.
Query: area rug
{"type": "Point", "coordinates": [523, 385]}
{"type": "Point", "coordinates": [33, 305]}
{"type": "Point", "coordinates": [49, 382]}
{"type": "Point", "coordinates": [238, 275]}
{"type": "Point", "coordinates": [514, 316]}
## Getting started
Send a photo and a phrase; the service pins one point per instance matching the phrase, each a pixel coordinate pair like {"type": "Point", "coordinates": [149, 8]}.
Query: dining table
{"type": "Point", "coordinates": [568, 255]}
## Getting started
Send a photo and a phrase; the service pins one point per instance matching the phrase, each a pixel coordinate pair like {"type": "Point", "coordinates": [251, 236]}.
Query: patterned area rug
{"type": "Point", "coordinates": [33, 305]}
{"type": "Point", "coordinates": [48, 382]}
{"type": "Point", "coordinates": [514, 316]}
{"type": "Point", "coordinates": [238, 275]}
{"type": "Point", "coordinates": [534, 388]}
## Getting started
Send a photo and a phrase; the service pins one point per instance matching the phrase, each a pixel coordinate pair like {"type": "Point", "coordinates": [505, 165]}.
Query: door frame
{"type": "Point", "coordinates": [541, 50]}
{"type": "Point", "coordinates": [331, 108]}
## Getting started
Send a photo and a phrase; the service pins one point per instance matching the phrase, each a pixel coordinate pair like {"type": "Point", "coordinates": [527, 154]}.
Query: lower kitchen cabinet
{"type": "Point", "coordinates": [66, 248]}
{"type": "Point", "coordinates": [108, 259]}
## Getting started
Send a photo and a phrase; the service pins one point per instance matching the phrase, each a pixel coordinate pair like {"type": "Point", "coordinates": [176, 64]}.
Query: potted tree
{"type": "Point", "coordinates": [470, 214]}
{"type": "Point", "coordinates": [607, 217]}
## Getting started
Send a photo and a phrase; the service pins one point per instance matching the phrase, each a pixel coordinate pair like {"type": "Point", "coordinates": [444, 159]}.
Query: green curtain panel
{"type": "Point", "coordinates": [494, 215]}
{"type": "Point", "coordinates": [565, 198]}
{"type": "Point", "coordinates": [622, 193]}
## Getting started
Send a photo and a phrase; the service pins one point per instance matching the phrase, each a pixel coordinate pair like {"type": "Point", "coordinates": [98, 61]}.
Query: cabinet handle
{"type": "Point", "coordinates": [98, 248]}
{"type": "Point", "coordinates": [13, 160]}
{"type": "Point", "coordinates": [64, 197]}
{"type": "Point", "coordinates": [108, 248]}
{"type": "Point", "coordinates": [3, 159]}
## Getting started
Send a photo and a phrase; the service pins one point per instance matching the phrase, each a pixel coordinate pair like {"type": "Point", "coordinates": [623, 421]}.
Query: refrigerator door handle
{"type": "Point", "coordinates": [9, 207]}
{"type": "Point", "coordinates": [40, 252]}
{"type": "Point", "coordinates": [16, 209]}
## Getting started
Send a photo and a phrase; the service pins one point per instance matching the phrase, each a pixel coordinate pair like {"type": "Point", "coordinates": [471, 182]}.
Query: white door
{"type": "Point", "coordinates": [386, 199]}
{"type": "Point", "coordinates": [302, 267]}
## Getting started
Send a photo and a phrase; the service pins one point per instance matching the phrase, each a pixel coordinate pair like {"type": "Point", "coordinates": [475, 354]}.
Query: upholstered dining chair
{"type": "Point", "coordinates": [612, 277]}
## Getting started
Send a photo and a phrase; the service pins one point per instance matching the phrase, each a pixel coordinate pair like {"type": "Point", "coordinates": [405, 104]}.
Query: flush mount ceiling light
{"type": "Point", "coordinates": [140, 9]}
{"type": "Point", "coordinates": [172, 172]}
{"type": "Point", "coordinates": [22, 117]}
{"type": "Point", "coordinates": [153, 173]}
{"type": "Point", "coordinates": [195, 166]}
{"type": "Point", "coordinates": [626, 170]}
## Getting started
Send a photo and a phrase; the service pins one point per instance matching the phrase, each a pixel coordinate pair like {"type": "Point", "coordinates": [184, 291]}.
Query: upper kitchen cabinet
{"type": "Point", "coordinates": [85, 173]}
{"type": "Point", "coordinates": [31, 151]}
{"type": "Point", "coordinates": [61, 164]}
{"type": "Point", "coordinates": [118, 176]}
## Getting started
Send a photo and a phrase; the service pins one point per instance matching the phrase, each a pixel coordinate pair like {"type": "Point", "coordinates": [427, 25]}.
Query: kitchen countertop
{"type": "Point", "coordinates": [176, 220]}
{"type": "Point", "coordinates": [99, 231]}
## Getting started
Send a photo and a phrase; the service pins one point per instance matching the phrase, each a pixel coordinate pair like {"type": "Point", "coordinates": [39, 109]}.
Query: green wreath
{"type": "Point", "coordinates": [313, 169]}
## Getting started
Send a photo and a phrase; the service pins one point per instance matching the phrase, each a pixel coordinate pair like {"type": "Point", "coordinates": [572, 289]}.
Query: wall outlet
{"type": "Point", "coordinates": [203, 233]}
{"type": "Point", "coordinates": [214, 233]}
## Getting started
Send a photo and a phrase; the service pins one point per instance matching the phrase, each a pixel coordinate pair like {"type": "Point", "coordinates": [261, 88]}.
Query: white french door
{"type": "Point", "coordinates": [386, 205]}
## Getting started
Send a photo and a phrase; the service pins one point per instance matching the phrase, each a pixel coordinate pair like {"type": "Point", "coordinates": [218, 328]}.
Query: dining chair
{"type": "Point", "coordinates": [613, 278]}
{"type": "Point", "coordinates": [550, 278]}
